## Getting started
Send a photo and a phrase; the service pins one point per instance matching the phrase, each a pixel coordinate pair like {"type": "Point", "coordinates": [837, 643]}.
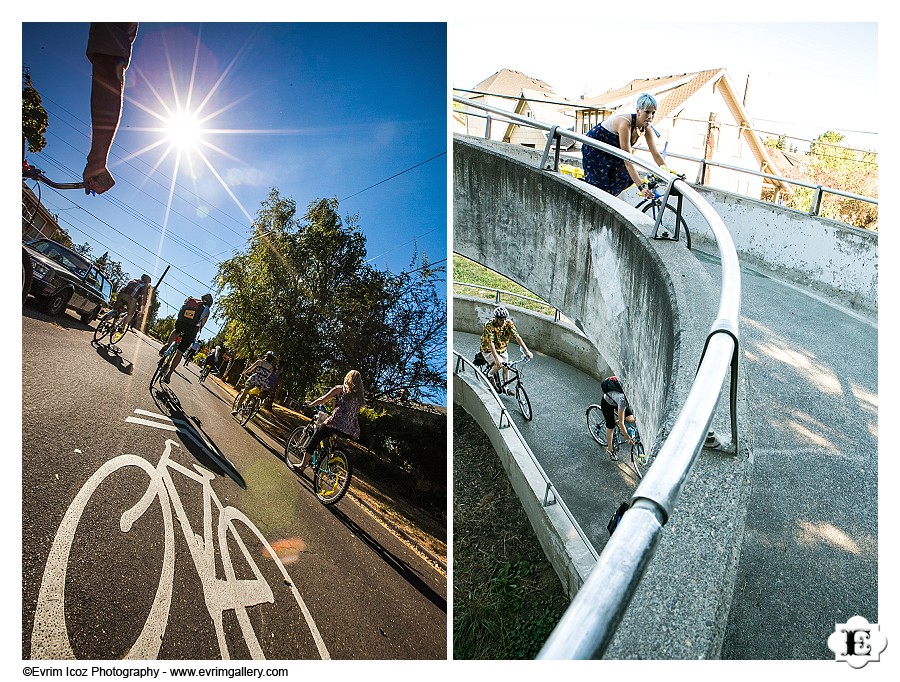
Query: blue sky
{"type": "Point", "coordinates": [805, 77]}
{"type": "Point", "coordinates": [311, 109]}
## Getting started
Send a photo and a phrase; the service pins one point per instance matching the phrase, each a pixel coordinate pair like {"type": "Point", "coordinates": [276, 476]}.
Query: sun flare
{"type": "Point", "coordinates": [184, 130]}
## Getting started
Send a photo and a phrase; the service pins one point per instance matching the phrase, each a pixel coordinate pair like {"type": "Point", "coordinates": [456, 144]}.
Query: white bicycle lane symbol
{"type": "Point", "coordinates": [50, 637]}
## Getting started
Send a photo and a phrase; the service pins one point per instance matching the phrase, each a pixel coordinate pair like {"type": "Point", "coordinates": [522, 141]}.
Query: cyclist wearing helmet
{"type": "Point", "coordinates": [134, 295]}
{"type": "Point", "coordinates": [613, 402]}
{"type": "Point", "coordinates": [494, 339]}
{"type": "Point", "coordinates": [191, 318]}
{"type": "Point", "coordinates": [262, 373]}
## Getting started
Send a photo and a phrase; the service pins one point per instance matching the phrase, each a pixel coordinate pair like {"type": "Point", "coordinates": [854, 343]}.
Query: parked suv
{"type": "Point", "coordinates": [64, 279]}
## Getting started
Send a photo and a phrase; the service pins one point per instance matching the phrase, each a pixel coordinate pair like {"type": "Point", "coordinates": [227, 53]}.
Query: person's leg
{"type": "Point", "coordinates": [319, 435]}
{"type": "Point", "coordinates": [186, 341]}
{"type": "Point", "coordinates": [172, 335]}
{"type": "Point", "coordinates": [609, 417]}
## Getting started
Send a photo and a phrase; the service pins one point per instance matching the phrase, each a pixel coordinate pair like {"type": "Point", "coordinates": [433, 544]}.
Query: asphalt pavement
{"type": "Point", "coordinates": [229, 553]}
{"type": "Point", "coordinates": [813, 513]}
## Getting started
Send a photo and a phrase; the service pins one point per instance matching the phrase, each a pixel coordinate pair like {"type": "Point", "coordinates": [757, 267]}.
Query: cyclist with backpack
{"type": "Point", "coordinates": [190, 320]}
{"type": "Point", "coordinates": [614, 401]}
{"type": "Point", "coordinates": [134, 295]}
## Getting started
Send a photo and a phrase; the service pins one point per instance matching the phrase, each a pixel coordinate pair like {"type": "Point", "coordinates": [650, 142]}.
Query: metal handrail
{"type": "Point", "coordinates": [814, 207]}
{"type": "Point", "coordinates": [549, 487]}
{"type": "Point", "coordinates": [587, 627]}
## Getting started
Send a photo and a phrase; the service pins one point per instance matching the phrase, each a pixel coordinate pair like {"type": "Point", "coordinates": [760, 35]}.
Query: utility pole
{"type": "Point", "coordinates": [149, 297]}
{"type": "Point", "coordinates": [712, 141]}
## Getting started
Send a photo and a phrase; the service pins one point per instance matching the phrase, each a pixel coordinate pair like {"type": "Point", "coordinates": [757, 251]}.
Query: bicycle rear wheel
{"type": "Point", "coordinates": [596, 424]}
{"type": "Point", "coordinates": [104, 325]}
{"type": "Point", "coordinates": [667, 224]}
{"type": "Point", "coordinates": [331, 477]}
{"type": "Point", "coordinates": [295, 455]}
{"type": "Point", "coordinates": [116, 333]}
{"type": "Point", "coordinates": [524, 402]}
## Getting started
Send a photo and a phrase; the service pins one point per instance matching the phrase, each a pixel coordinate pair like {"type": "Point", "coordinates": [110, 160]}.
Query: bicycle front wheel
{"type": "Point", "coordinates": [294, 453]}
{"type": "Point", "coordinates": [640, 460]}
{"type": "Point", "coordinates": [596, 424]}
{"type": "Point", "coordinates": [331, 477]}
{"type": "Point", "coordinates": [524, 402]}
{"type": "Point", "coordinates": [104, 326]}
{"type": "Point", "coordinates": [250, 408]}
{"type": "Point", "coordinates": [667, 224]}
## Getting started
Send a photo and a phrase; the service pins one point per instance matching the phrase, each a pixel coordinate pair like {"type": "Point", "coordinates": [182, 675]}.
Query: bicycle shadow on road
{"type": "Point", "coordinates": [106, 352]}
{"type": "Point", "coordinates": [392, 560]}
{"type": "Point", "coordinates": [192, 436]}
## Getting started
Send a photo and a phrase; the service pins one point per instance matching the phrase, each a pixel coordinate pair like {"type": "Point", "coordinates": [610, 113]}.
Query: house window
{"type": "Point", "coordinates": [739, 149]}
{"type": "Point", "coordinates": [700, 141]}
{"type": "Point", "coordinates": [743, 187]}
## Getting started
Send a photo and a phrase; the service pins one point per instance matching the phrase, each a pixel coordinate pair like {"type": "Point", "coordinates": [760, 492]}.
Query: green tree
{"type": "Point", "coordinates": [161, 329]}
{"type": "Point", "coordinates": [303, 289]}
{"type": "Point", "coordinates": [34, 116]}
{"type": "Point", "coordinates": [837, 166]}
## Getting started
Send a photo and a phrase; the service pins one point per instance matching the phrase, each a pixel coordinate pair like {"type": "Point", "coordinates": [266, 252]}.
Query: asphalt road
{"type": "Point", "coordinates": [809, 558]}
{"type": "Point", "coordinates": [193, 576]}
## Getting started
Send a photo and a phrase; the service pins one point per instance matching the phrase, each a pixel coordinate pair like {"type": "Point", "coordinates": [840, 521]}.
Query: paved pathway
{"type": "Point", "coordinates": [809, 557]}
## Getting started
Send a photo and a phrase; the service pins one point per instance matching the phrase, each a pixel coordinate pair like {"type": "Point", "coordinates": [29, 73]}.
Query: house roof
{"type": "Point", "coordinates": [671, 91]}
{"type": "Point", "coordinates": [509, 82]}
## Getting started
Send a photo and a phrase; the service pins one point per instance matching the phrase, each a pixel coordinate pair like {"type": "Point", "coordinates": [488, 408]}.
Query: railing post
{"type": "Point", "coordinates": [552, 137]}
{"type": "Point", "coordinates": [487, 127]}
{"type": "Point", "coordinates": [816, 202]}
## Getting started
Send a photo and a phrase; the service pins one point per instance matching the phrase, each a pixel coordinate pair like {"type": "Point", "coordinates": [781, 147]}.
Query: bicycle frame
{"type": "Point", "coordinates": [661, 201]}
{"type": "Point", "coordinates": [515, 376]}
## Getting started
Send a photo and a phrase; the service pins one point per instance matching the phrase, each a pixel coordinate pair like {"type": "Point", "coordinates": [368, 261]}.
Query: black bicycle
{"type": "Point", "coordinates": [165, 362]}
{"type": "Point", "coordinates": [640, 460]}
{"type": "Point", "coordinates": [667, 219]}
{"type": "Point", "coordinates": [113, 323]}
{"type": "Point", "coordinates": [515, 377]}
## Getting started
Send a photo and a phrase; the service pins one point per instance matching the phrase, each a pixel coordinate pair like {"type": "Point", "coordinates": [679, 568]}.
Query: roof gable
{"type": "Point", "coordinates": [509, 82]}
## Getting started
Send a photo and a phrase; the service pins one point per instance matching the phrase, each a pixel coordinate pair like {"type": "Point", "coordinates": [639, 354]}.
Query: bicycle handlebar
{"type": "Point", "coordinates": [34, 173]}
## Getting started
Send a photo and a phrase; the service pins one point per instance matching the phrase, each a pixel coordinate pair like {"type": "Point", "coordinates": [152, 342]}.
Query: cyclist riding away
{"type": "Point", "coordinates": [191, 318]}
{"type": "Point", "coordinates": [213, 359]}
{"type": "Point", "coordinates": [134, 295]}
{"type": "Point", "coordinates": [263, 374]}
{"type": "Point", "coordinates": [349, 398]}
{"type": "Point", "coordinates": [614, 401]}
{"type": "Point", "coordinates": [494, 340]}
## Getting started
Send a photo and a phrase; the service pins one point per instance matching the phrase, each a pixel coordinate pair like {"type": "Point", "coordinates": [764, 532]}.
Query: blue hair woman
{"type": "Point", "coordinates": [610, 173]}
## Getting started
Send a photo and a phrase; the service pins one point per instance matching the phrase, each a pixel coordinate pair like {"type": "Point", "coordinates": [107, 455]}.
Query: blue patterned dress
{"type": "Point", "coordinates": [604, 170]}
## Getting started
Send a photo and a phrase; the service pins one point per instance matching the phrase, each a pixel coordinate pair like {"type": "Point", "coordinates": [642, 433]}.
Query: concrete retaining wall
{"type": "Point", "coordinates": [567, 552]}
{"type": "Point", "coordinates": [839, 260]}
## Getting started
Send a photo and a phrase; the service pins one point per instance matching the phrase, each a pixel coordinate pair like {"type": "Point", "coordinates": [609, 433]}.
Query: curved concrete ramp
{"type": "Point", "coordinates": [809, 556]}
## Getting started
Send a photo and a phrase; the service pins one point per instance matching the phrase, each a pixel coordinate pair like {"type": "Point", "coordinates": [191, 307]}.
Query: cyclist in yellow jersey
{"type": "Point", "coordinates": [496, 337]}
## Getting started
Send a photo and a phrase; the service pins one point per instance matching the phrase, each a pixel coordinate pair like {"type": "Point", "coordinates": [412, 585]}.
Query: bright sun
{"type": "Point", "coordinates": [183, 130]}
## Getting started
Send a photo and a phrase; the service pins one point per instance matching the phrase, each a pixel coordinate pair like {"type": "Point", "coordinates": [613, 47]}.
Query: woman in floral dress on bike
{"type": "Point", "coordinates": [349, 398]}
